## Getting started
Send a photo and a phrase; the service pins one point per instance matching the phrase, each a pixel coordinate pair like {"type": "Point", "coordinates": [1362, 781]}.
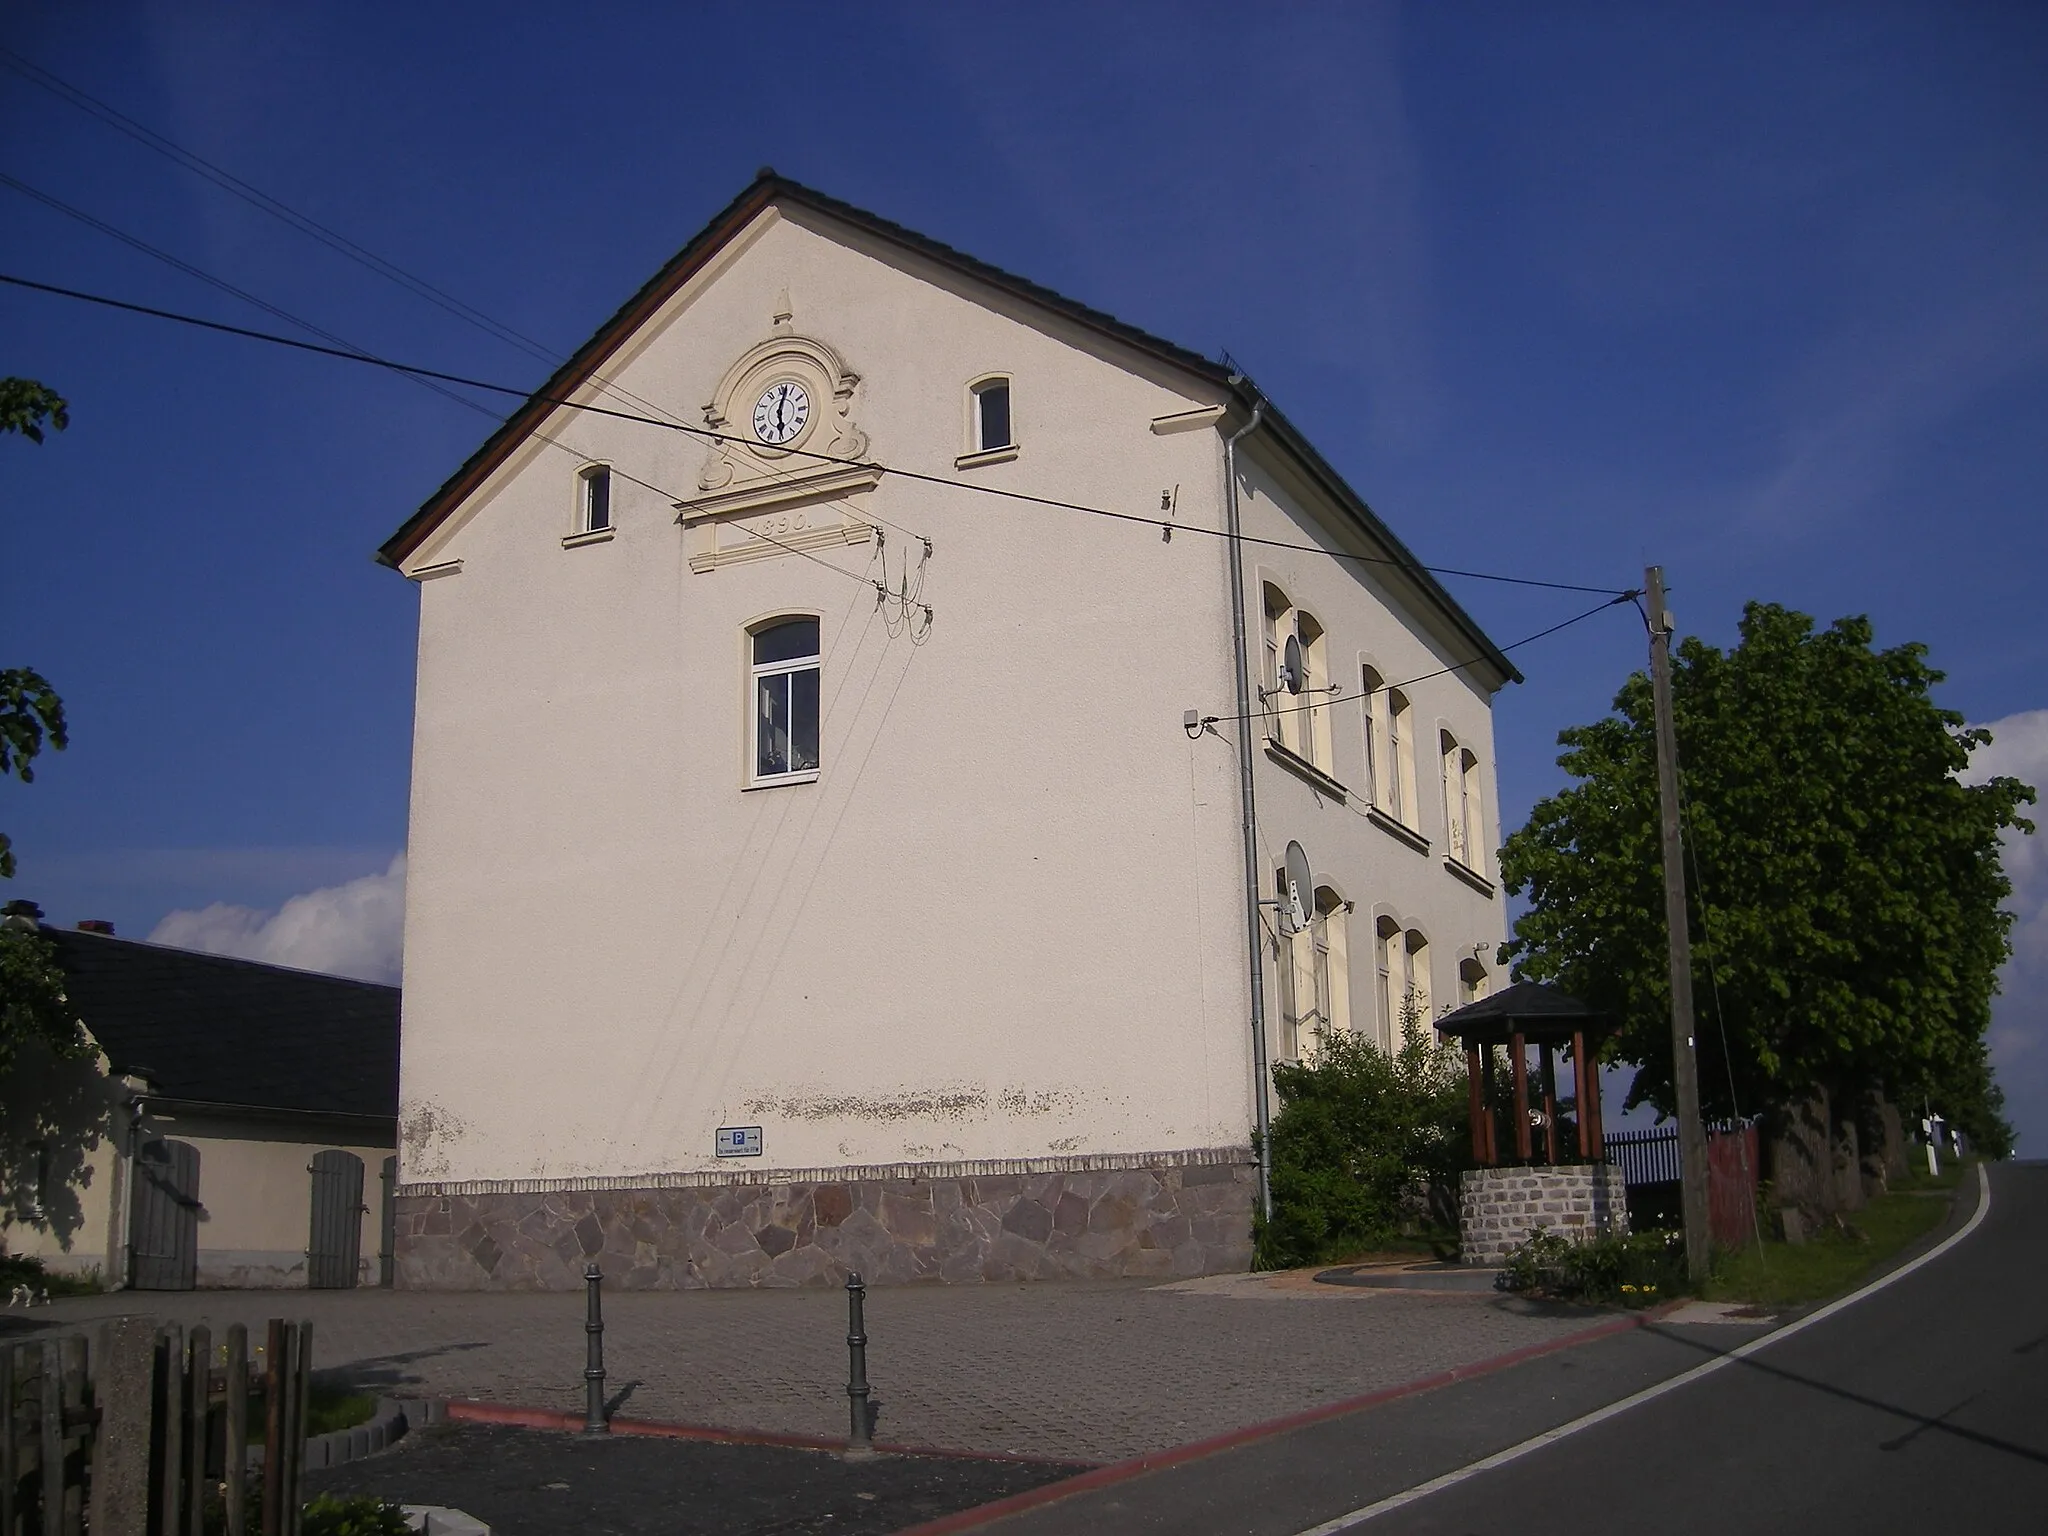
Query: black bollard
{"type": "Point", "coordinates": [594, 1421]}
{"type": "Point", "coordinates": [862, 1441]}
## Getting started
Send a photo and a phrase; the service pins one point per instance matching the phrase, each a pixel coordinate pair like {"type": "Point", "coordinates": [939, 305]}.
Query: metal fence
{"type": "Point", "coordinates": [1645, 1157]}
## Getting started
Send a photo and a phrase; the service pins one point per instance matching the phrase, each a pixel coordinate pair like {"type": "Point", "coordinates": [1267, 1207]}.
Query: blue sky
{"type": "Point", "coordinates": [1760, 293]}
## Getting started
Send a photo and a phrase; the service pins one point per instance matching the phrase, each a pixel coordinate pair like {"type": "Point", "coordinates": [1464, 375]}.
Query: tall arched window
{"type": "Point", "coordinates": [1283, 721]}
{"type": "Point", "coordinates": [1400, 759]}
{"type": "Point", "coordinates": [1390, 958]}
{"type": "Point", "coordinates": [1462, 829]}
{"type": "Point", "coordinates": [784, 671]}
{"type": "Point", "coordinates": [1374, 689]}
{"type": "Point", "coordinates": [1417, 1012]}
{"type": "Point", "coordinates": [1314, 967]}
{"type": "Point", "coordinates": [1473, 982]}
{"type": "Point", "coordinates": [1314, 731]}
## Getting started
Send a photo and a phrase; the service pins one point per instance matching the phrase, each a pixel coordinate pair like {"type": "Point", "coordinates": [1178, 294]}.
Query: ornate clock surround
{"type": "Point", "coordinates": [755, 500]}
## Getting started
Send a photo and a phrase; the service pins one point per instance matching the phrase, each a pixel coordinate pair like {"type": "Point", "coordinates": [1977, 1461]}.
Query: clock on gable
{"type": "Point", "coordinates": [787, 446]}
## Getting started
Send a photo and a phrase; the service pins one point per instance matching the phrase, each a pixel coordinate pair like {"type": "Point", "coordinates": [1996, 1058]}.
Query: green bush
{"type": "Point", "coordinates": [1637, 1271]}
{"type": "Point", "coordinates": [362, 1515]}
{"type": "Point", "coordinates": [1366, 1149]}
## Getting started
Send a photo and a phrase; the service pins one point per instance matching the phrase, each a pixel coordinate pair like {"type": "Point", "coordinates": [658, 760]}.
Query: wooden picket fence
{"type": "Point", "coordinates": [143, 1430]}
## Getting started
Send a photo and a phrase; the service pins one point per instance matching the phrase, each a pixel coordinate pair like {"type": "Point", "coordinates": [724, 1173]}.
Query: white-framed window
{"type": "Point", "coordinates": [1473, 982]}
{"type": "Point", "coordinates": [992, 429]}
{"type": "Point", "coordinates": [783, 673]}
{"type": "Point", "coordinates": [1314, 731]}
{"type": "Point", "coordinates": [1389, 961]}
{"type": "Point", "coordinates": [1463, 827]}
{"type": "Point", "coordinates": [1315, 993]}
{"type": "Point", "coordinates": [1373, 688]}
{"type": "Point", "coordinates": [1418, 1010]}
{"type": "Point", "coordinates": [594, 498]}
{"type": "Point", "coordinates": [1283, 724]}
{"type": "Point", "coordinates": [1400, 802]}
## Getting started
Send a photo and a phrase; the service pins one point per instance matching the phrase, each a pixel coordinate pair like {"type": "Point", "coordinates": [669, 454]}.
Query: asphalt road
{"type": "Point", "coordinates": [1922, 1407]}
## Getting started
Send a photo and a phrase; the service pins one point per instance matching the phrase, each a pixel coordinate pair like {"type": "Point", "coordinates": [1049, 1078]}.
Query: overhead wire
{"type": "Point", "coordinates": [305, 224]}
{"type": "Point", "coordinates": [535, 397]}
{"type": "Point", "coordinates": [345, 348]}
{"type": "Point", "coordinates": [1366, 693]}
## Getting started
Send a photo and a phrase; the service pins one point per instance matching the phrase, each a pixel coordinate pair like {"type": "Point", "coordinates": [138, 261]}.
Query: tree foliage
{"type": "Point", "coordinates": [1845, 887]}
{"type": "Point", "coordinates": [32, 1003]}
{"type": "Point", "coordinates": [1361, 1139]}
{"type": "Point", "coordinates": [26, 405]}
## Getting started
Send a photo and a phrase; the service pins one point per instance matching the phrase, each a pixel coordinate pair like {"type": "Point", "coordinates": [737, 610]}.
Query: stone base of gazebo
{"type": "Point", "coordinates": [1501, 1208]}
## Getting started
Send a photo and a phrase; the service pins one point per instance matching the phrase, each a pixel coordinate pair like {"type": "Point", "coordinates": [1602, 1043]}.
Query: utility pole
{"type": "Point", "coordinates": [1685, 1076]}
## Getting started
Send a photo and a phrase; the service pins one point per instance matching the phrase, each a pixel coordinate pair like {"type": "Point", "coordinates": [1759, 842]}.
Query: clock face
{"type": "Point", "coordinates": [781, 412]}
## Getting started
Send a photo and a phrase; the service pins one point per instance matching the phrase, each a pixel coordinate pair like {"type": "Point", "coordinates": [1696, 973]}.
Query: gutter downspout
{"type": "Point", "coordinates": [1254, 938]}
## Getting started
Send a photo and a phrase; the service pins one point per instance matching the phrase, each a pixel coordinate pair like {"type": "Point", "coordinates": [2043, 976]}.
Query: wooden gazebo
{"type": "Point", "coordinates": [1530, 1013]}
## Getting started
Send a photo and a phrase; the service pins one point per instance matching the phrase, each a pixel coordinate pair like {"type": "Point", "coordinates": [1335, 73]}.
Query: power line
{"type": "Point", "coordinates": [345, 348]}
{"type": "Point", "coordinates": [708, 434]}
{"type": "Point", "coordinates": [305, 224]}
{"type": "Point", "coordinates": [1366, 693]}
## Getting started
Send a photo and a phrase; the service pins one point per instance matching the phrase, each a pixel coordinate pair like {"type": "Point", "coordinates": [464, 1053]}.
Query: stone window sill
{"type": "Point", "coordinates": [1400, 831]}
{"type": "Point", "coordinates": [594, 536]}
{"type": "Point", "coordinates": [1302, 768]}
{"type": "Point", "coordinates": [780, 780]}
{"type": "Point", "coordinates": [1000, 455]}
{"type": "Point", "coordinates": [1469, 875]}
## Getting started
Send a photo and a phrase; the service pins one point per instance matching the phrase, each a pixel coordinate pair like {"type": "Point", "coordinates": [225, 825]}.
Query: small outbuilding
{"type": "Point", "coordinates": [235, 1126]}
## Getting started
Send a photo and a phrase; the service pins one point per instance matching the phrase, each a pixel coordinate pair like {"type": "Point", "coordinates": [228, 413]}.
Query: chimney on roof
{"type": "Point", "coordinates": [21, 913]}
{"type": "Point", "coordinates": [95, 925]}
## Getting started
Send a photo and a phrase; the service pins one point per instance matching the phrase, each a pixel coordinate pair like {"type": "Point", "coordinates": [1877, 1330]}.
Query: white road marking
{"type": "Point", "coordinates": [1358, 1517]}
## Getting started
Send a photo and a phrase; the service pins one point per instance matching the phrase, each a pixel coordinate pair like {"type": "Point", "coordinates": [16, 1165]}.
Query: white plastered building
{"type": "Point", "coordinates": [810, 867]}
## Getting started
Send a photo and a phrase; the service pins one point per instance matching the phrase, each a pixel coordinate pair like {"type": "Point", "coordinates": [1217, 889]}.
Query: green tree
{"type": "Point", "coordinates": [1846, 888]}
{"type": "Point", "coordinates": [32, 1002]}
{"type": "Point", "coordinates": [25, 405]}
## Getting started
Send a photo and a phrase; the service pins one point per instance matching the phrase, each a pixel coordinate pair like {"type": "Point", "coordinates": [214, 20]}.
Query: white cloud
{"type": "Point", "coordinates": [353, 929]}
{"type": "Point", "coordinates": [2019, 1017]}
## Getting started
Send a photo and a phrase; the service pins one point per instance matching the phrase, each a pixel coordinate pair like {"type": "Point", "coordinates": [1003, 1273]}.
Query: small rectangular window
{"type": "Point", "coordinates": [785, 705]}
{"type": "Point", "coordinates": [992, 416]}
{"type": "Point", "coordinates": [597, 500]}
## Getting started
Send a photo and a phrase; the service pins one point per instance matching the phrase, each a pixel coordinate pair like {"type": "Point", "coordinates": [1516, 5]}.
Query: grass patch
{"type": "Point", "coordinates": [1839, 1257]}
{"type": "Point", "coordinates": [29, 1274]}
{"type": "Point", "coordinates": [328, 1408]}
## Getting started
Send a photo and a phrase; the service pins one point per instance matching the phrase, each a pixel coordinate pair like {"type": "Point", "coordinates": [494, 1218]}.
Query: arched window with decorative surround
{"type": "Point", "coordinates": [1473, 981]}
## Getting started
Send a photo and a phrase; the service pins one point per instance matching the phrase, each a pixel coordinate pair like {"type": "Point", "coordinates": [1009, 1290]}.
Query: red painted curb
{"type": "Point", "coordinates": [1194, 1450]}
{"type": "Point", "coordinates": [549, 1418]}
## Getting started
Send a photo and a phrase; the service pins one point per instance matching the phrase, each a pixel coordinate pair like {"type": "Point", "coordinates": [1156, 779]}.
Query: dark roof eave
{"type": "Point", "coordinates": [380, 1127]}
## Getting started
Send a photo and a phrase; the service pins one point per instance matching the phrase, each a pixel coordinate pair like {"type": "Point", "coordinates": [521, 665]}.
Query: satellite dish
{"type": "Point", "coordinates": [1299, 899]}
{"type": "Point", "coordinates": [1292, 672]}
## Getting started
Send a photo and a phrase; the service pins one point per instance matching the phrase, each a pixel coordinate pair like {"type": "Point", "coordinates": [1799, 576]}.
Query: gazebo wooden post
{"type": "Point", "coordinates": [1519, 1063]}
{"type": "Point", "coordinates": [1547, 1056]}
{"type": "Point", "coordinates": [1476, 1103]}
{"type": "Point", "coordinates": [1588, 1109]}
{"type": "Point", "coordinates": [1591, 1069]}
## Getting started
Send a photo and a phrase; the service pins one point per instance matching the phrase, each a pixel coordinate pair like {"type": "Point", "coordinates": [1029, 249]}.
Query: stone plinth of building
{"type": "Point", "coordinates": [1499, 1209]}
{"type": "Point", "coordinates": [1167, 1215]}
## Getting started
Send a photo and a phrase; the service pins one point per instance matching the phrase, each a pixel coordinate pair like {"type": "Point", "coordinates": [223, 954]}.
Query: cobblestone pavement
{"type": "Point", "coordinates": [1093, 1371]}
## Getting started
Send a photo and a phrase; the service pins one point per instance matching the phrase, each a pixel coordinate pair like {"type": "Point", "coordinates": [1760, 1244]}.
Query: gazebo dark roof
{"type": "Point", "coordinates": [1539, 1013]}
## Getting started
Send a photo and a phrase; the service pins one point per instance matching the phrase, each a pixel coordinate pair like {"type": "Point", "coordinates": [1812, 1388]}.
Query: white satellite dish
{"type": "Point", "coordinates": [1293, 672]}
{"type": "Point", "coordinates": [1300, 896]}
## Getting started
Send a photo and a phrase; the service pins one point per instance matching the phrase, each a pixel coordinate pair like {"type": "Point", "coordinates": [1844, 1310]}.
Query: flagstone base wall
{"type": "Point", "coordinates": [1160, 1215]}
{"type": "Point", "coordinates": [1500, 1208]}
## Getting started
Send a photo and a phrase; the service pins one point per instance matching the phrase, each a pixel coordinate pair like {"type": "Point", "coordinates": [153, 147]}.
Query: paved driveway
{"type": "Point", "coordinates": [1076, 1370]}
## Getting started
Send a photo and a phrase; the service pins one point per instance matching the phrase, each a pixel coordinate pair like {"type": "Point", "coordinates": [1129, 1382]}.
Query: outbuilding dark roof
{"type": "Point", "coordinates": [215, 1030]}
{"type": "Point", "coordinates": [1533, 1009]}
